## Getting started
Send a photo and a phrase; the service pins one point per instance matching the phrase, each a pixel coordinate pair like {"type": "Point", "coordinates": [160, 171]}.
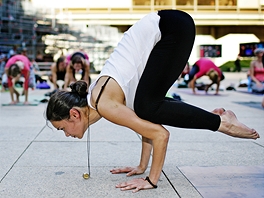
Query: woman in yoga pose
{"type": "Point", "coordinates": [130, 91]}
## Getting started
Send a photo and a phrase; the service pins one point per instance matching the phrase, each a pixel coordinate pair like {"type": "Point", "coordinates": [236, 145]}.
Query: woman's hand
{"type": "Point", "coordinates": [259, 84]}
{"type": "Point", "coordinates": [136, 184]}
{"type": "Point", "coordinates": [129, 170]}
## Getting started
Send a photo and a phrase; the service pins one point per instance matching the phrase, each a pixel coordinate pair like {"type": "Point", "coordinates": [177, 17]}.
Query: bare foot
{"type": "Point", "coordinates": [13, 102]}
{"type": "Point", "coordinates": [231, 126]}
{"type": "Point", "coordinates": [218, 111]}
{"type": "Point", "coordinates": [17, 96]}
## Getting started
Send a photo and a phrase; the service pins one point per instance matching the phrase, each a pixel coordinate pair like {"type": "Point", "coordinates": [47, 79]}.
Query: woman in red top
{"type": "Point", "coordinates": [257, 71]}
{"type": "Point", "coordinates": [15, 67]}
{"type": "Point", "coordinates": [205, 67]}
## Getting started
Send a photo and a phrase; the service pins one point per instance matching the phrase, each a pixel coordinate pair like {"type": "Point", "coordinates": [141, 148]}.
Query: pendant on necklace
{"type": "Point", "coordinates": [86, 176]}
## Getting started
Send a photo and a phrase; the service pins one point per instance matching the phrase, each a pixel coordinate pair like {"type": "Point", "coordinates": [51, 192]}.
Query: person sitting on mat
{"type": "Point", "coordinates": [257, 72]}
{"type": "Point", "coordinates": [202, 67]}
{"type": "Point", "coordinates": [131, 91]}
{"type": "Point", "coordinates": [17, 66]}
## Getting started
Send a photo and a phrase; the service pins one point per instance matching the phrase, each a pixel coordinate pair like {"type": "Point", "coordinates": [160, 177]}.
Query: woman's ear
{"type": "Point", "coordinates": [74, 114]}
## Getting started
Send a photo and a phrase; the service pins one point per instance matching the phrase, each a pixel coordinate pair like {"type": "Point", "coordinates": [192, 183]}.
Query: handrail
{"type": "Point", "coordinates": [44, 66]}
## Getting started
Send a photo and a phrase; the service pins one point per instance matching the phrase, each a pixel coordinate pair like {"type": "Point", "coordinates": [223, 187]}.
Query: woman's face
{"type": "Point", "coordinates": [260, 54]}
{"type": "Point", "coordinates": [77, 66]}
{"type": "Point", "coordinates": [62, 65]}
{"type": "Point", "coordinates": [72, 127]}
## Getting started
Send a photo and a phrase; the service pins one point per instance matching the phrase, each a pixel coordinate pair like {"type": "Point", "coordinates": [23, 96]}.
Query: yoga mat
{"type": "Point", "coordinates": [21, 104]}
{"type": "Point", "coordinates": [252, 104]}
{"type": "Point", "coordinates": [201, 93]}
{"type": "Point", "coordinates": [251, 93]}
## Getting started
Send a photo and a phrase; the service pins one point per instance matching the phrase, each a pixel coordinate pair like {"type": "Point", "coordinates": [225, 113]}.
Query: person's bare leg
{"type": "Point", "coordinates": [17, 95]}
{"type": "Point", "coordinates": [26, 97]}
{"type": "Point", "coordinates": [231, 126]}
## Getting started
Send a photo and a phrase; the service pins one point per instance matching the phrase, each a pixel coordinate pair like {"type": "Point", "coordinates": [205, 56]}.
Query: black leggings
{"type": "Point", "coordinates": [165, 64]}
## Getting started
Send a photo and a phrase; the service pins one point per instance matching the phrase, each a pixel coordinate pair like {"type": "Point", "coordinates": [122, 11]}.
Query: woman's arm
{"type": "Point", "coordinates": [218, 84]}
{"type": "Point", "coordinates": [54, 75]}
{"type": "Point", "coordinates": [145, 153]}
{"type": "Point", "coordinates": [122, 115]}
{"type": "Point", "coordinates": [111, 106]}
{"type": "Point", "coordinates": [251, 72]}
{"type": "Point", "coordinates": [67, 77]}
{"type": "Point", "coordinates": [87, 73]}
{"type": "Point", "coordinates": [26, 83]}
{"type": "Point", "coordinates": [192, 84]}
{"type": "Point", "coordinates": [119, 114]}
{"type": "Point", "coordinates": [144, 160]}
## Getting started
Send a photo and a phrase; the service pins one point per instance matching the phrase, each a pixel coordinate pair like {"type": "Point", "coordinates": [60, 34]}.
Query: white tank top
{"type": "Point", "coordinates": [126, 64]}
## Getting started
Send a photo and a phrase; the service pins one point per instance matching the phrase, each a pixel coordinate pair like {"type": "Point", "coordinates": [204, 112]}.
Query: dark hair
{"type": "Point", "coordinates": [14, 70]}
{"type": "Point", "coordinates": [77, 59]}
{"type": "Point", "coordinates": [60, 60]}
{"type": "Point", "coordinates": [62, 102]}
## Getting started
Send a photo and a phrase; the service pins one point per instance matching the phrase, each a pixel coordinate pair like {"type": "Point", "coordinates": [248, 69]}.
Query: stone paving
{"type": "Point", "coordinates": [37, 161]}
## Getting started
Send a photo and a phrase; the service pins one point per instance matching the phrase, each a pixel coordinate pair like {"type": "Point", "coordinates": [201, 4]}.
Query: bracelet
{"type": "Point", "coordinates": [154, 186]}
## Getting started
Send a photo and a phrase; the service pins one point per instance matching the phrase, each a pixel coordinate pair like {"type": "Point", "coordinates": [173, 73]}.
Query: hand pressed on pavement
{"type": "Point", "coordinates": [129, 170]}
{"type": "Point", "coordinates": [136, 184]}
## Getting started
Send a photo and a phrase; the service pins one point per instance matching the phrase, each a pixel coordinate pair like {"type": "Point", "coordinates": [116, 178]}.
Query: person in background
{"type": "Point", "coordinates": [36, 71]}
{"type": "Point", "coordinates": [2, 63]}
{"type": "Point", "coordinates": [17, 66]}
{"type": "Point", "coordinates": [186, 70]}
{"type": "Point", "coordinates": [263, 58]}
{"type": "Point", "coordinates": [202, 67]}
{"type": "Point", "coordinates": [12, 52]}
{"type": "Point", "coordinates": [257, 72]}
{"type": "Point", "coordinates": [39, 57]}
{"type": "Point", "coordinates": [24, 51]}
{"type": "Point", "coordinates": [58, 71]}
{"type": "Point", "coordinates": [78, 62]}
{"type": "Point", "coordinates": [3, 78]}
{"type": "Point", "coordinates": [237, 64]}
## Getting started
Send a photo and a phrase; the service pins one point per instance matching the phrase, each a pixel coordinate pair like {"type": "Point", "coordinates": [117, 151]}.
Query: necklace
{"type": "Point", "coordinates": [88, 174]}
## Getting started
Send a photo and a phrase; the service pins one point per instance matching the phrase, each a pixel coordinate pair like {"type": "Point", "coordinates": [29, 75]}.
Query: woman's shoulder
{"type": "Point", "coordinates": [253, 63]}
{"type": "Point", "coordinates": [256, 64]}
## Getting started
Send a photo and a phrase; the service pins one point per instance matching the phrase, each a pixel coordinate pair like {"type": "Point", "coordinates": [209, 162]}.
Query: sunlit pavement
{"type": "Point", "coordinates": [37, 161]}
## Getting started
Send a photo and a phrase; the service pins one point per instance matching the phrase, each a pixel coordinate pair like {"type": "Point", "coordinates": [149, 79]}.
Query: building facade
{"type": "Point", "coordinates": [224, 22]}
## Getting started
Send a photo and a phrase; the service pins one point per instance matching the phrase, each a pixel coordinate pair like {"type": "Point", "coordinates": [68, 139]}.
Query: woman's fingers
{"type": "Point", "coordinates": [136, 184]}
{"type": "Point", "coordinates": [129, 170]}
{"type": "Point", "coordinates": [121, 170]}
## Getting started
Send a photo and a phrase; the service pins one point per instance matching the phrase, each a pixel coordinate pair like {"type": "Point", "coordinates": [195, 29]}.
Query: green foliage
{"type": "Point", "coordinates": [230, 65]}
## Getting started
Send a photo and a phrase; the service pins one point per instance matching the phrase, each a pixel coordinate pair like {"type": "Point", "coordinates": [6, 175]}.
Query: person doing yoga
{"type": "Point", "coordinates": [130, 91]}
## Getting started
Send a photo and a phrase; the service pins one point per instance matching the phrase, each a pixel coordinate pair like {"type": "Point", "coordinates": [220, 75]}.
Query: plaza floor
{"type": "Point", "coordinates": [37, 161]}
